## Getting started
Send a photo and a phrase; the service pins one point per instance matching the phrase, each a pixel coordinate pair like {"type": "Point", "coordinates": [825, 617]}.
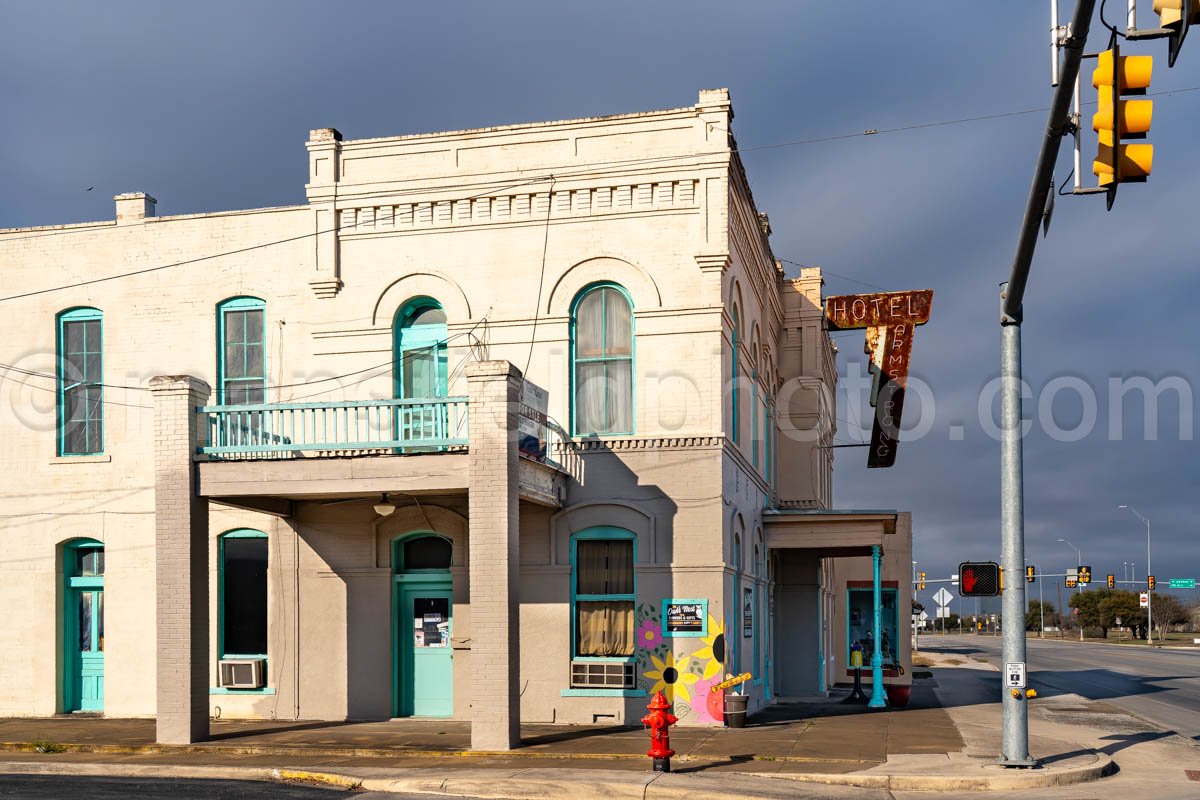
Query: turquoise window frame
{"type": "Point", "coordinates": [754, 418]}
{"type": "Point", "coordinates": [757, 626]}
{"type": "Point", "coordinates": [64, 318]}
{"type": "Point", "coordinates": [238, 533]}
{"type": "Point", "coordinates": [735, 416]}
{"type": "Point", "coordinates": [609, 534]}
{"type": "Point", "coordinates": [734, 638]}
{"type": "Point", "coordinates": [408, 337]}
{"type": "Point", "coordinates": [675, 601]}
{"type": "Point", "coordinates": [241, 303]}
{"type": "Point", "coordinates": [631, 358]}
{"type": "Point", "coordinates": [770, 444]}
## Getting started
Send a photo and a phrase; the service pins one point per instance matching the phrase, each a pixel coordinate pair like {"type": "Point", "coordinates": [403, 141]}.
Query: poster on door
{"type": "Point", "coordinates": [431, 630]}
{"type": "Point", "coordinates": [747, 612]}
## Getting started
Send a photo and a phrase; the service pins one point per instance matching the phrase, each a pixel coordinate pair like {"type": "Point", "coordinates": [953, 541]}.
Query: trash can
{"type": "Point", "coordinates": [735, 710]}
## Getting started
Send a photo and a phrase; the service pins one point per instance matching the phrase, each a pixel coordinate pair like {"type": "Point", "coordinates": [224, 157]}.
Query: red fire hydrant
{"type": "Point", "coordinates": [659, 722]}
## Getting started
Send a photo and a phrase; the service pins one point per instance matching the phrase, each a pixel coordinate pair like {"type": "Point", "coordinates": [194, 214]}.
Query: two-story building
{"type": "Point", "coordinates": [515, 423]}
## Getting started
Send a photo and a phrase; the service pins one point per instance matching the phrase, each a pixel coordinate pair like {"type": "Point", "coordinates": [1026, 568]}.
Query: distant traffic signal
{"type": "Point", "coordinates": [1070, 583]}
{"type": "Point", "coordinates": [1085, 575]}
{"type": "Point", "coordinates": [1030, 574]}
{"type": "Point", "coordinates": [1117, 119]}
{"type": "Point", "coordinates": [979, 578]}
{"type": "Point", "coordinates": [921, 585]}
{"type": "Point", "coordinates": [1150, 582]}
{"type": "Point", "coordinates": [1112, 581]}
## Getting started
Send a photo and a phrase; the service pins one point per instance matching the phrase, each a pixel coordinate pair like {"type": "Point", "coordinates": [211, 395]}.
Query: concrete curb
{"type": "Point", "coordinates": [996, 778]}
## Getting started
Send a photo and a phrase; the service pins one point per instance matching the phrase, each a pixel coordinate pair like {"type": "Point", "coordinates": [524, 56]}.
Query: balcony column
{"type": "Point", "coordinates": [494, 388]}
{"type": "Point", "coordinates": [181, 562]}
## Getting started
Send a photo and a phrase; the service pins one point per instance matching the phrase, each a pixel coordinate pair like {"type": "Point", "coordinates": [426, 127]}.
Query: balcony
{"type": "Point", "coordinates": [356, 427]}
{"type": "Point", "coordinates": [297, 451]}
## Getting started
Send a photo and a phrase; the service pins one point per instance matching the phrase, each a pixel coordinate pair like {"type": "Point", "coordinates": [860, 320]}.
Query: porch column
{"type": "Point", "coordinates": [181, 562]}
{"type": "Point", "coordinates": [494, 388]}
{"type": "Point", "coordinates": [878, 693]}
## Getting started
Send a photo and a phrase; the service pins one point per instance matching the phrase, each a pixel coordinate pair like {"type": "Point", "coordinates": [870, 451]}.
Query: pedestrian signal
{"type": "Point", "coordinates": [979, 578]}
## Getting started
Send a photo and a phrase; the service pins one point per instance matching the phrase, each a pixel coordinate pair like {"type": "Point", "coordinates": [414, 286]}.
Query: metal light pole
{"type": "Point", "coordinates": [1015, 739]}
{"type": "Point", "coordinates": [1149, 594]}
{"type": "Point", "coordinates": [1041, 610]}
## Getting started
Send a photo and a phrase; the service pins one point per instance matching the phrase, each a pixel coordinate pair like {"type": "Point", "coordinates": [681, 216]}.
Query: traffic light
{"type": "Point", "coordinates": [979, 578]}
{"type": "Point", "coordinates": [1030, 574]}
{"type": "Point", "coordinates": [921, 585]}
{"type": "Point", "coordinates": [1150, 582]}
{"type": "Point", "coordinates": [1085, 575]}
{"type": "Point", "coordinates": [1070, 583]}
{"type": "Point", "coordinates": [1176, 16]}
{"type": "Point", "coordinates": [1112, 581]}
{"type": "Point", "coordinates": [1116, 119]}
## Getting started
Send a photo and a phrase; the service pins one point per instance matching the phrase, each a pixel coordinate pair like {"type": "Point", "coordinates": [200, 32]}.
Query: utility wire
{"type": "Point", "coordinates": [541, 279]}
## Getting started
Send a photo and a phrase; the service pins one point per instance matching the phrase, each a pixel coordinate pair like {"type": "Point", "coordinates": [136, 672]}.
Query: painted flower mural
{"type": "Point", "coordinates": [649, 634]}
{"type": "Point", "coordinates": [713, 650]}
{"type": "Point", "coordinates": [709, 705]}
{"type": "Point", "coordinates": [671, 677]}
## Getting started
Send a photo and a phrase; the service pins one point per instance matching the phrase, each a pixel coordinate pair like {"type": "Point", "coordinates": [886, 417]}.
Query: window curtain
{"type": "Point", "coordinates": [604, 628]}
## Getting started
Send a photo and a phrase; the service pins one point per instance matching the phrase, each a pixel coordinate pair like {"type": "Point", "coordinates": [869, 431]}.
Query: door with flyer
{"type": "Point", "coordinates": [426, 675]}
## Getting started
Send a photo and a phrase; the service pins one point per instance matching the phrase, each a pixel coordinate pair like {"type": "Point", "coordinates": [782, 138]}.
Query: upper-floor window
{"type": "Point", "coordinates": [420, 349]}
{"type": "Point", "coordinates": [80, 388]}
{"type": "Point", "coordinates": [602, 361]}
{"type": "Point", "coordinates": [242, 360]}
{"type": "Point", "coordinates": [735, 420]}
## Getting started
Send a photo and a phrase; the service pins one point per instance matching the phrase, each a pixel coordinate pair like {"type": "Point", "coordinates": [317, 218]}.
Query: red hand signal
{"type": "Point", "coordinates": [968, 580]}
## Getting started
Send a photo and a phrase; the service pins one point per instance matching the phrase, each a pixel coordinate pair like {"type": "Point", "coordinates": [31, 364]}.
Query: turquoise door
{"type": "Point", "coordinates": [83, 672]}
{"type": "Point", "coordinates": [424, 623]}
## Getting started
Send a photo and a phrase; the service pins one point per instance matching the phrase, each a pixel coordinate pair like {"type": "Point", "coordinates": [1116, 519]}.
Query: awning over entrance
{"type": "Point", "coordinates": [835, 533]}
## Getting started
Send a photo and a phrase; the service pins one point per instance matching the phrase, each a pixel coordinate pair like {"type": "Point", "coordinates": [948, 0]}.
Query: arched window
{"type": "Point", "coordinates": [242, 576]}
{"type": "Point", "coordinates": [242, 358]}
{"type": "Point", "coordinates": [80, 382]}
{"type": "Point", "coordinates": [428, 552]}
{"type": "Point", "coordinates": [602, 361]}
{"type": "Point", "coordinates": [420, 349]}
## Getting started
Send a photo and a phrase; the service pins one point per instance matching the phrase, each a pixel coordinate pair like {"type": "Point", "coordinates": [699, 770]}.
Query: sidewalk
{"type": "Point", "coordinates": [820, 748]}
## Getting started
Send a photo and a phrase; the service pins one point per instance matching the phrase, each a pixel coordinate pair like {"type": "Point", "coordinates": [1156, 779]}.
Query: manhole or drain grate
{"type": "Point", "coordinates": [1193, 774]}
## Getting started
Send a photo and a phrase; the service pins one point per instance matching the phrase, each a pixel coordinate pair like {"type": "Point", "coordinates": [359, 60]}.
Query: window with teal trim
{"type": "Point", "coordinates": [735, 421]}
{"type": "Point", "coordinates": [602, 361]}
{"type": "Point", "coordinates": [80, 382]}
{"type": "Point", "coordinates": [243, 601]}
{"type": "Point", "coordinates": [770, 444]}
{"type": "Point", "coordinates": [420, 349]}
{"type": "Point", "coordinates": [242, 358]}
{"type": "Point", "coordinates": [603, 593]}
{"type": "Point", "coordinates": [754, 418]}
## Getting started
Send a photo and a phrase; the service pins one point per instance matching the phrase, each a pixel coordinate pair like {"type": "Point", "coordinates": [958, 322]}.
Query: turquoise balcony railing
{"type": "Point", "coordinates": [283, 430]}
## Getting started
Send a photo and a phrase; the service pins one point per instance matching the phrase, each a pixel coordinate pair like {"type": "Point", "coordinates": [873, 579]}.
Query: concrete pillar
{"type": "Point", "coordinates": [181, 562]}
{"type": "Point", "coordinates": [494, 388]}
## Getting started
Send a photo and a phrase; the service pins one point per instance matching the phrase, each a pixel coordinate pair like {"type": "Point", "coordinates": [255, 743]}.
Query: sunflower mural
{"type": "Point", "coordinates": [713, 652]}
{"type": "Point", "coordinates": [672, 677]}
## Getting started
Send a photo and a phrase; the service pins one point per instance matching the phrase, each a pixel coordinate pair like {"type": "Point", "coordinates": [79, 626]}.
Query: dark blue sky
{"type": "Point", "coordinates": [208, 106]}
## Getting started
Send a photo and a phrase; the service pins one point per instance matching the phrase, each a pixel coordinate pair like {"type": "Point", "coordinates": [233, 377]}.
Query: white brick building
{"type": "Point", "coordinates": [202, 451]}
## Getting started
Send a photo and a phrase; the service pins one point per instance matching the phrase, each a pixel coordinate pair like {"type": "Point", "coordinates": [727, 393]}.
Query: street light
{"type": "Point", "coordinates": [1149, 594]}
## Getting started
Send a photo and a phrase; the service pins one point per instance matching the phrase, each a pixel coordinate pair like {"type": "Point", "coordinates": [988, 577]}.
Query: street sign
{"type": "Point", "coordinates": [1144, 599]}
{"type": "Point", "coordinates": [942, 597]}
{"type": "Point", "coordinates": [1182, 583]}
{"type": "Point", "coordinates": [943, 612]}
{"type": "Point", "coordinates": [1014, 675]}
{"type": "Point", "coordinates": [1118, 621]}
{"type": "Point", "coordinates": [924, 616]}
{"type": "Point", "coordinates": [1072, 572]}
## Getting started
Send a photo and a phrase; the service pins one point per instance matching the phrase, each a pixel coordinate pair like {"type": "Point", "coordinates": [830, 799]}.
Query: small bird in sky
{"type": "Point", "coordinates": [89, 188]}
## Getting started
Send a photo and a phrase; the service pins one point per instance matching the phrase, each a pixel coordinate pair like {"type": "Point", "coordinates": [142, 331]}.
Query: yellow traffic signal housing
{"type": "Point", "coordinates": [1176, 16]}
{"type": "Point", "coordinates": [1030, 574]}
{"type": "Point", "coordinates": [1085, 575]}
{"type": "Point", "coordinates": [1112, 581]}
{"type": "Point", "coordinates": [1117, 119]}
{"type": "Point", "coordinates": [922, 583]}
{"type": "Point", "coordinates": [1150, 582]}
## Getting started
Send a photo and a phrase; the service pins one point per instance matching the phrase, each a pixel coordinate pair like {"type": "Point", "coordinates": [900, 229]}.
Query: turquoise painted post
{"type": "Point", "coordinates": [878, 694]}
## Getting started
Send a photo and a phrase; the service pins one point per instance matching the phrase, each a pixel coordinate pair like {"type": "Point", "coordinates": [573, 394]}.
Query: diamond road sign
{"type": "Point", "coordinates": [942, 597]}
{"type": "Point", "coordinates": [1182, 583]}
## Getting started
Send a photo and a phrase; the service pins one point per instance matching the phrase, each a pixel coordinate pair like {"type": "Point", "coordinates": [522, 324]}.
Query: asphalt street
{"type": "Point", "coordinates": [57, 787]}
{"type": "Point", "coordinates": [1161, 686]}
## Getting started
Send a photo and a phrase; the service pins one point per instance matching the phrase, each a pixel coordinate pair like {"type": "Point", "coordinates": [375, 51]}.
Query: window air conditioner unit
{"type": "Point", "coordinates": [242, 673]}
{"type": "Point", "coordinates": [602, 675]}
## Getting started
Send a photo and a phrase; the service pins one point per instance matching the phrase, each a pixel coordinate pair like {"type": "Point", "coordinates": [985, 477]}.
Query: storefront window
{"type": "Point", "coordinates": [862, 621]}
{"type": "Point", "coordinates": [604, 594]}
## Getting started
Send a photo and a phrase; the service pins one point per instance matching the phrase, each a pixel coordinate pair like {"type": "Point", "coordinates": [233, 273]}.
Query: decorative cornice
{"type": "Point", "coordinates": [327, 288]}
{"type": "Point", "coordinates": [585, 446]}
{"type": "Point", "coordinates": [713, 262]}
